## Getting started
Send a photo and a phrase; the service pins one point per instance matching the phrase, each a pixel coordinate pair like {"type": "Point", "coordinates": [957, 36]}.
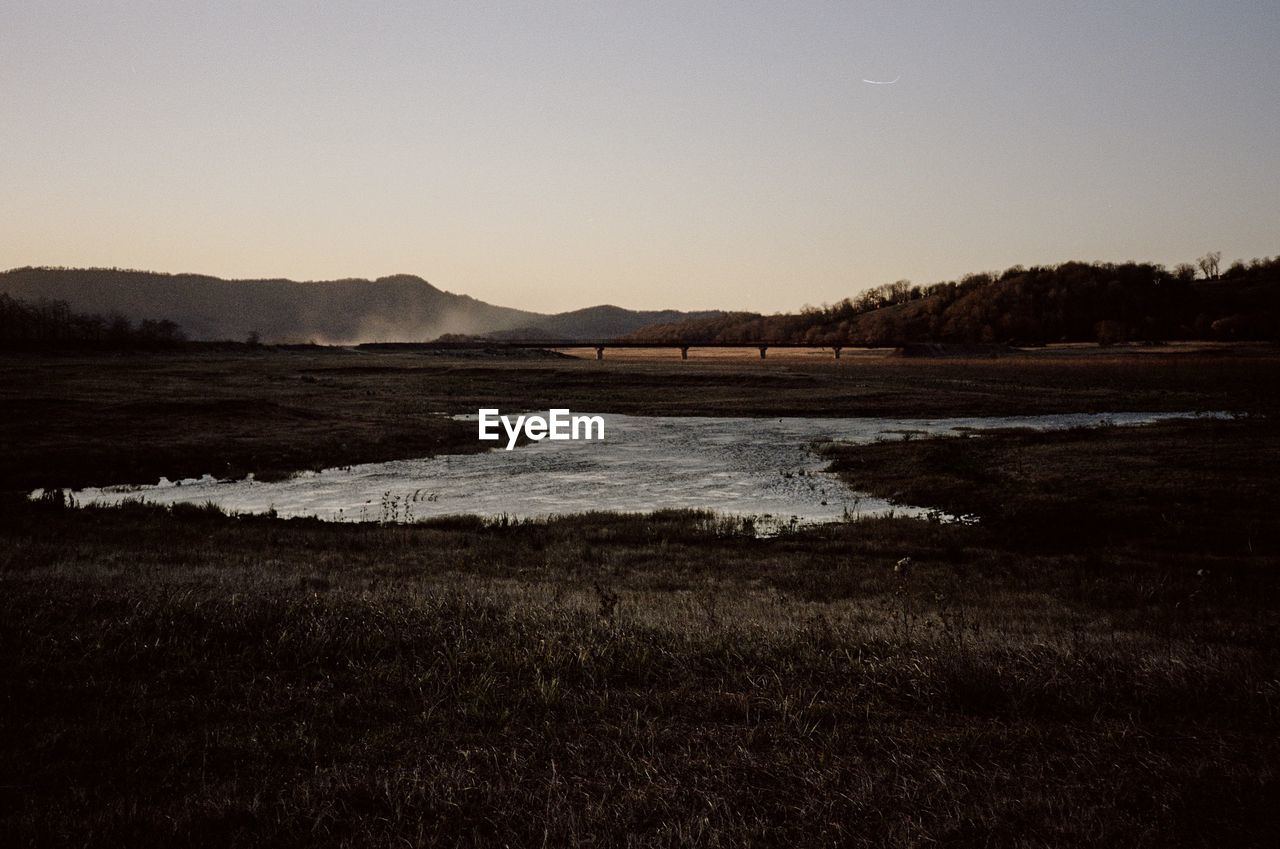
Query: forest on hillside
{"type": "Point", "coordinates": [1071, 302]}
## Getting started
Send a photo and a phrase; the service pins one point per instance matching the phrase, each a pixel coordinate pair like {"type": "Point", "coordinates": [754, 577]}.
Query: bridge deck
{"type": "Point", "coordinates": [480, 344]}
{"type": "Point", "coordinates": [598, 344]}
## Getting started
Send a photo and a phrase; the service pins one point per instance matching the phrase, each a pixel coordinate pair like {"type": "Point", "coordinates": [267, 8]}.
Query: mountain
{"type": "Point", "coordinates": [1074, 301]}
{"type": "Point", "coordinates": [602, 322]}
{"type": "Point", "coordinates": [401, 308]}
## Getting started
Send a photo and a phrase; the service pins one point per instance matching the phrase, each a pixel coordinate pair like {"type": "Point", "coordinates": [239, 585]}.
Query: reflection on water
{"type": "Point", "coordinates": [736, 466]}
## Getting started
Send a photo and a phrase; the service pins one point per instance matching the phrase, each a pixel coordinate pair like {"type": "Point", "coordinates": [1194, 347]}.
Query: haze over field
{"type": "Point", "coordinates": [750, 156]}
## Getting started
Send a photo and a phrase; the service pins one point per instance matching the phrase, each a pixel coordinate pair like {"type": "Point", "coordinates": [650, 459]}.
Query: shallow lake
{"type": "Point", "coordinates": [737, 466]}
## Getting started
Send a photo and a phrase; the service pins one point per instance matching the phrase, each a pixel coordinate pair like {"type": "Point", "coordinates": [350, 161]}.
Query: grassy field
{"type": "Point", "coordinates": [1096, 662]}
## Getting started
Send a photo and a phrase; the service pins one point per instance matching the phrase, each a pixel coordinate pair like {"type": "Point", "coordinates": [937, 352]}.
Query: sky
{"type": "Point", "coordinates": [691, 155]}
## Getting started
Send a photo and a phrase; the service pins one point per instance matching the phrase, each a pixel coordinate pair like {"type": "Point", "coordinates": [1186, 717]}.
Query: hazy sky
{"type": "Point", "coordinates": [553, 155]}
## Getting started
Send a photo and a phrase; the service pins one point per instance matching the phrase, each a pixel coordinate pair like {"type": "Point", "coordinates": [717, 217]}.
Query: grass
{"type": "Point", "coordinates": [1167, 487]}
{"type": "Point", "coordinates": [186, 677]}
{"type": "Point", "coordinates": [183, 677]}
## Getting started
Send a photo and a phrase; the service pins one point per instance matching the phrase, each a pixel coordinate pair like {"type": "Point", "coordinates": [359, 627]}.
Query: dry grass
{"type": "Point", "coordinates": [1172, 487]}
{"type": "Point", "coordinates": [193, 679]}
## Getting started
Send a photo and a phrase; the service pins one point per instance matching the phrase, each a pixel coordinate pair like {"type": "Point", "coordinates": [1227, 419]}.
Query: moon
{"type": "Point", "coordinates": [882, 82]}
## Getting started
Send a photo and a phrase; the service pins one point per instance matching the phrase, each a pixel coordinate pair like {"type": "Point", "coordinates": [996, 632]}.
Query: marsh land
{"type": "Point", "coordinates": [1095, 662]}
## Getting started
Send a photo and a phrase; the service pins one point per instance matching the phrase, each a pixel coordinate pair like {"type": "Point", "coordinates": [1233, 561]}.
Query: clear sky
{"type": "Point", "coordinates": [553, 155]}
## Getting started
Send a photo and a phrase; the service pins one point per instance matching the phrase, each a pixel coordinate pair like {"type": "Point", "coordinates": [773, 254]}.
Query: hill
{"type": "Point", "coordinates": [602, 322]}
{"type": "Point", "coordinates": [1072, 302]}
{"type": "Point", "coordinates": [388, 309]}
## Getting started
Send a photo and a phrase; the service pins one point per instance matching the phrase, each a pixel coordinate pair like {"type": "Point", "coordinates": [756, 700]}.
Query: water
{"type": "Point", "coordinates": [737, 466]}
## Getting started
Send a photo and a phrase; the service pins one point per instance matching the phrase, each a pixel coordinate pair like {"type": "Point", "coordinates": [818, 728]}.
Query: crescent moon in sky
{"type": "Point", "coordinates": [883, 82]}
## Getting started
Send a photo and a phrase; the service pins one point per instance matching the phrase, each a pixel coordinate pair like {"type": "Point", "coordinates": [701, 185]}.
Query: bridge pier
{"type": "Point", "coordinates": [837, 352]}
{"type": "Point", "coordinates": [684, 352]}
{"type": "Point", "coordinates": [599, 352]}
{"type": "Point", "coordinates": [763, 348]}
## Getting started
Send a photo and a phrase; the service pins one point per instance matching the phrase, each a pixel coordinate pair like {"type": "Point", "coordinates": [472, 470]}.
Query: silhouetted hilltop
{"type": "Point", "coordinates": [400, 308]}
{"type": "Point", "coordinates": [1075, 301]}
{"type": "Point", "coordinates": [339, 311]}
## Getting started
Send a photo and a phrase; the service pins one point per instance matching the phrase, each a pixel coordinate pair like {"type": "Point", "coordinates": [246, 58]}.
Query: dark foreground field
{"type": "Point", "coordinates": [1097, 662]}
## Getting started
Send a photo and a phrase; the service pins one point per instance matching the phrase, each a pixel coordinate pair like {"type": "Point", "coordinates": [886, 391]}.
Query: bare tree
{"type": "Point", "coordinates": [1209, 264]}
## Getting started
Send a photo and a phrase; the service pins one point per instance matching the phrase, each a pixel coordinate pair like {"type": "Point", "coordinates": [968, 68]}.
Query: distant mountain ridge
{"type": "Point", "coordinates": [399, 308]}
{"type": "Point", "coordinates": [608, 320]}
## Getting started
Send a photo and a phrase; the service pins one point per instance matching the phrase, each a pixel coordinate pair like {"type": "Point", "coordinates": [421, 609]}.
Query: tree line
{"type": "Point", "coordinates": [1071, 302]}
{"type": "Point", "coordinates": [45, 322]}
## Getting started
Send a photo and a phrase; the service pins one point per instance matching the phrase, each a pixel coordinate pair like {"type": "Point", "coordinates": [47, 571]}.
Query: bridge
{"type": "Point", "coordinates": [583, 344]}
